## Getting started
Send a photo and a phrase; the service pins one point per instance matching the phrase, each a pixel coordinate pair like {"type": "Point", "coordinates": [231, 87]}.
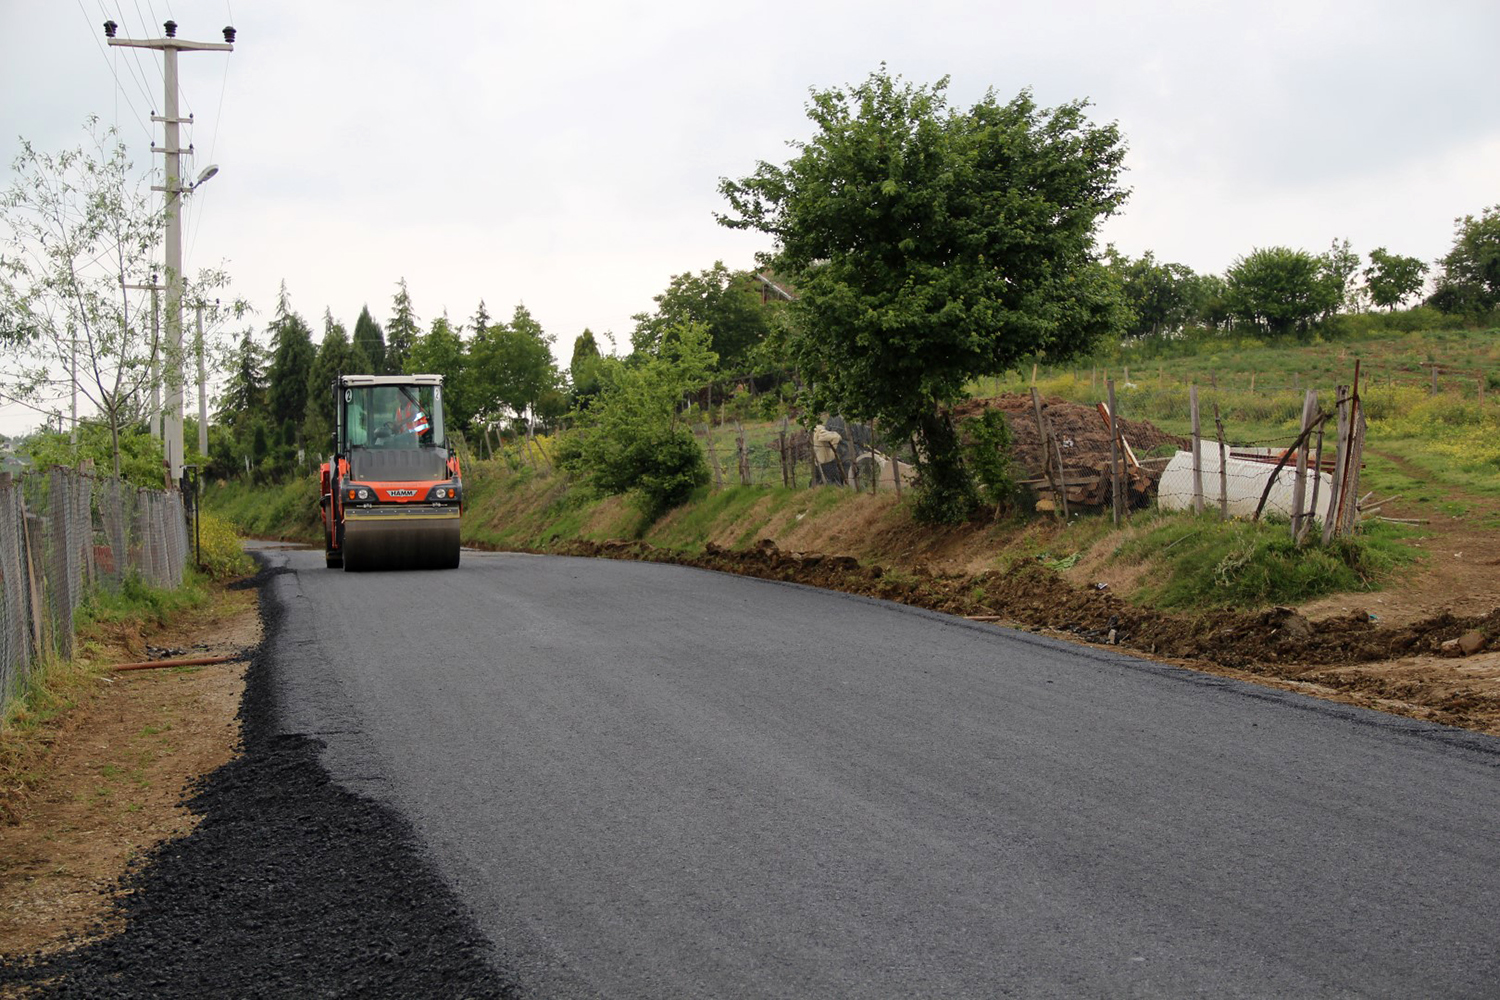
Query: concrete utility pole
{"type": "Point", "coordinates": [202, 388]}
{"type": "Point", "coordinates": [174, 189]}
{"type": "Point", "coordinates": [153, 421]}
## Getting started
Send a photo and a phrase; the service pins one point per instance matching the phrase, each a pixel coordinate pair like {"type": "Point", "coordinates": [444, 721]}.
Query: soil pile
{"type": "Point", "coordinates": [290, 886]}
{"type": "Point", "coordinates": [1082, 436]}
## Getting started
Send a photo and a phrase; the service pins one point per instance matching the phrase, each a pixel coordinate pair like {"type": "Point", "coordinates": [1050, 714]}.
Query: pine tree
{"type": "Point", "coordinates": [401, 332]}
{"type": "Point", "coordinates": [332, 360]}
{"type": "Point", "coordinates": [480, 322]}
{"type": "Point", "coordinates": [291, 363]}
{"type": "Point", "coordinates": [370, 339]}
{"type": "Point", "coordinates": [245, 392]}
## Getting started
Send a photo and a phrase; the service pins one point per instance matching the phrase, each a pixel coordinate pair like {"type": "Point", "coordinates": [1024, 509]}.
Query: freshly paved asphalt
{"type": "Point", "coordinates": [653, 781]}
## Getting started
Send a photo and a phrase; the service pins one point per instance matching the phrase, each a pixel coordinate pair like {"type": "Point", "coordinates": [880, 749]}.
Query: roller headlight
{"type": "Point", "coordinates": [358, 493]}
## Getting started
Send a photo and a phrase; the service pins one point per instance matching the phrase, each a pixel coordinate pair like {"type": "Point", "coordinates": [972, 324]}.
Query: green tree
{"type": "Point", "coordinates": [583, 369]}
{"type": "Point", "coordinates": [1207, 301]}
{"type": "Point", "coordinates": [1279, 290]}
{"type": "Point", "coordinates": [932, 246]}
{"type": "Point", "coordinates": [1392, 278]}
{"type": "Point", "coordinates": [245, 391]}
{"type": "Point", "coordinates": [370, 338]}
{"type": "Point", "coordinates": [634, 441]}
{"type": "Point", "coordinates": [1338, 266]}
{"type": "Point", "coordinates": [76, 230]}
{"type": "Point", "coordinates": [292, 355]}
{"type": "Point", "coordinates": [1160, 296]}
{"type": "Point", "coordinates": [727, 302]}
{"type": "Point", "coordinates": [442, 352]}
{"type": "Point", "coordinates": [401, 332]}
{"type": "Point", "coordinates": [140, 454]}
{"type": "Point", "coordinates": [332, 359]}
{"type": "Point", "coordinates": [513, 367]}
{"type": "Point", "coordinates": [480, 321]}
{"type": "Point", "coordinates": [1470, 278]}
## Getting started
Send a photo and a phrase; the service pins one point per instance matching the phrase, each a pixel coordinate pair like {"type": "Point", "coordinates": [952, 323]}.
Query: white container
{"type": "Point", "coordinates": [1246, 482]}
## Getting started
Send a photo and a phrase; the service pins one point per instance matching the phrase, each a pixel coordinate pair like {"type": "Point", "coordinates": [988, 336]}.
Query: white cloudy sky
{"type": "Point", "coordinates": [567, 155]}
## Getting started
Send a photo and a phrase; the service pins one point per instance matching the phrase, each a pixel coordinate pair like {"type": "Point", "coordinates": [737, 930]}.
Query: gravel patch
{"type": "Point", "coordinates": [290, 886]}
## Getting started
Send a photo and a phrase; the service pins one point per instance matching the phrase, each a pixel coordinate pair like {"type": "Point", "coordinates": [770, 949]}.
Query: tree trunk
{"type": "Point", "coordinates": [947, 491]}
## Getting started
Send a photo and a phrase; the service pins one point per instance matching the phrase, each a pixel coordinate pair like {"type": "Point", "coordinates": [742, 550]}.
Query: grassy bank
{"type": "Point", "coordinates": [1165, 559]}
{"type": "Point", "coordinates": [109, 626]}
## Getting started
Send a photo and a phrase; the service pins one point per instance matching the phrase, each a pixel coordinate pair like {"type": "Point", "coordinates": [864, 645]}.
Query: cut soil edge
{"type": "Point", "coordinates": [1279, 646]}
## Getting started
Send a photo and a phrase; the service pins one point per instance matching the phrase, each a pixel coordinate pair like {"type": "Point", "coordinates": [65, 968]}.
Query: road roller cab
{"type": "Point", "coordinates": [392, 495]}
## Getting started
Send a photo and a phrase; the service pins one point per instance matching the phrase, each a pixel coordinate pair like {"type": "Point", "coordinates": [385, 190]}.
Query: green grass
{"type": "Point", "coordinates": [1200, 562]}
{"type": "Point", "coordinates": [287, 511]}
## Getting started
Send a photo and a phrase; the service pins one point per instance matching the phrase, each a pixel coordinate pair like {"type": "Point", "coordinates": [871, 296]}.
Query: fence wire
{"type": "Point", "coordinates": [64, 534]}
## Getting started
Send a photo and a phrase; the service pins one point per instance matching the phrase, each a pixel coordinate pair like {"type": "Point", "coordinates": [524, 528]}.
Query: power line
{"type": "Point", "coordinates": [119, 88]}
{"type": "Point", "coordinates": [137, 70]}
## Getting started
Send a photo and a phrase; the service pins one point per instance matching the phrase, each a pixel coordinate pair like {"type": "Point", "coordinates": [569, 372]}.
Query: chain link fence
{"type": "Point", "coordinates": [64, 533]}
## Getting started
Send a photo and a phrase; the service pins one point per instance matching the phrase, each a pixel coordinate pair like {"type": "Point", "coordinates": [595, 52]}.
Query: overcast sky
{"type": "Point", "coordinates": [567, 156]}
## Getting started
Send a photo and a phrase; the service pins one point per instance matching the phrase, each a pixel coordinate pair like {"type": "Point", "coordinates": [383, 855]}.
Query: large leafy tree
{"type": "Point", "coordinates": [727, 302]}
{"type": "Point", "coordinates": [1280, 290]}
{"type": "Point", "coordinates": [931, 246]}
{"type": "Point", "coordinates": [1392, 278]}
{"type": "Point", "coordinates": [1337, 268]}
{"type": "Point", "coordinates": [1470, 279]}
{"type": "Point", "coordinates": [1160, 295]}
{"type": "Point", "coordinates": [401, 332]}
{"type": "Point", "coordinates": [634, 440]}
{"type": "Point", "coordinates": [513, 367]}
{"type": "Point", "coordinates": [370, 338]}
{"type": "Point", "coordinates": [441, 351]}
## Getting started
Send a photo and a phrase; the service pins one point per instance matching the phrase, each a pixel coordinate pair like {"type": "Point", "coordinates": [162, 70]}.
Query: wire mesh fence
{"type": "Point", "coordinates": [63, 534]}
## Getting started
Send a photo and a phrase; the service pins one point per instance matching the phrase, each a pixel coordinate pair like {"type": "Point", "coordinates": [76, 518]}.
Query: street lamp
{"type": "Point", "coordinates": [204, 175]}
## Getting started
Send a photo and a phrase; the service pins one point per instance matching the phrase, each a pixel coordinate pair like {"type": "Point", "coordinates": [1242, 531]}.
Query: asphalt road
{"type": "Point", "coordinates": [652, 781]}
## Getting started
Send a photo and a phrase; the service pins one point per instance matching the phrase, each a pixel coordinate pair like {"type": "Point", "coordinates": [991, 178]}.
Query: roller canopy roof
{"type": "Point", "coordinates": [390, 380]}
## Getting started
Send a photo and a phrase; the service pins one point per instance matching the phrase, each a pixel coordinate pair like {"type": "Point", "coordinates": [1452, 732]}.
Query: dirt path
{"type": "Point", "coordinates": [1459, 574]}
{"type": "Point", "coordinates": [114, 777]}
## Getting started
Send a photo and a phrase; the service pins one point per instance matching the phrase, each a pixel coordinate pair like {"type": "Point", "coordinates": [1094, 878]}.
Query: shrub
{"type": "Point", "coordinates": [218, 548]}
{"type": "Point", "coordinates": [987, 452]}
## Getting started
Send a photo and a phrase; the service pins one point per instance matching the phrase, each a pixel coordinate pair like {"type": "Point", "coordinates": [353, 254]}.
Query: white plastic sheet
{"type": "Point", "coordinates": [1246, 482]}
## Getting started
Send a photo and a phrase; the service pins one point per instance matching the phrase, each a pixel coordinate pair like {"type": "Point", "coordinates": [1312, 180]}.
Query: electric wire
{"type": "Point", "coordinates": [114, 72]}
{"type": "Point", "coordinates": [133, 60]}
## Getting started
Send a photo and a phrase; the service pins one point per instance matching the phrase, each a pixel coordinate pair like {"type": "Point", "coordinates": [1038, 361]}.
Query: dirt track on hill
{"type": "Point", "coordinates": [1348, 657]}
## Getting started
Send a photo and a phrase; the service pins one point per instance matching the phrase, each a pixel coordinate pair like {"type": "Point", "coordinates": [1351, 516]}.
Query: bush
{"type": "Point", "coordinates": [987, 452]}
{"type": "Point", "coordinates": [218, 548]}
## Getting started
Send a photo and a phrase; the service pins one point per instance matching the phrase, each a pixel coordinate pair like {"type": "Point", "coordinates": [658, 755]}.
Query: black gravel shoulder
{"type": "Point", "coordinates": [289, 887]}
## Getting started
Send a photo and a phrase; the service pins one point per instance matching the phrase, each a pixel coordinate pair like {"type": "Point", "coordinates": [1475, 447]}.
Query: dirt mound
{"type": "Point", "coordinates": [1279, 644]}
{"type": "Point", "coordinates": [1082, 436]}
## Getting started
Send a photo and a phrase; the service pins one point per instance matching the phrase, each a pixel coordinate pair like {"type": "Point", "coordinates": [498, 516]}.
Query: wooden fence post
{"type": "Point", "coordinates": [785, 459]}
{"type": "Point", "coordinates": [1115, 486]}
{"type": "Point", "coordinates": [1223, 468]}
{"type": "Point", "coordinates": [1053, 475]}
{"type": "Point", "coordinates": [1197, 449]}
{"type": "Point", "coordinates": [1299, 484]}
{"type": "Point", "coordinates": [1330, 524]}
{"type": "Point", "coordinates": [1312, 511]}
{"type": "Point", "coordinates": [742, 453]}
